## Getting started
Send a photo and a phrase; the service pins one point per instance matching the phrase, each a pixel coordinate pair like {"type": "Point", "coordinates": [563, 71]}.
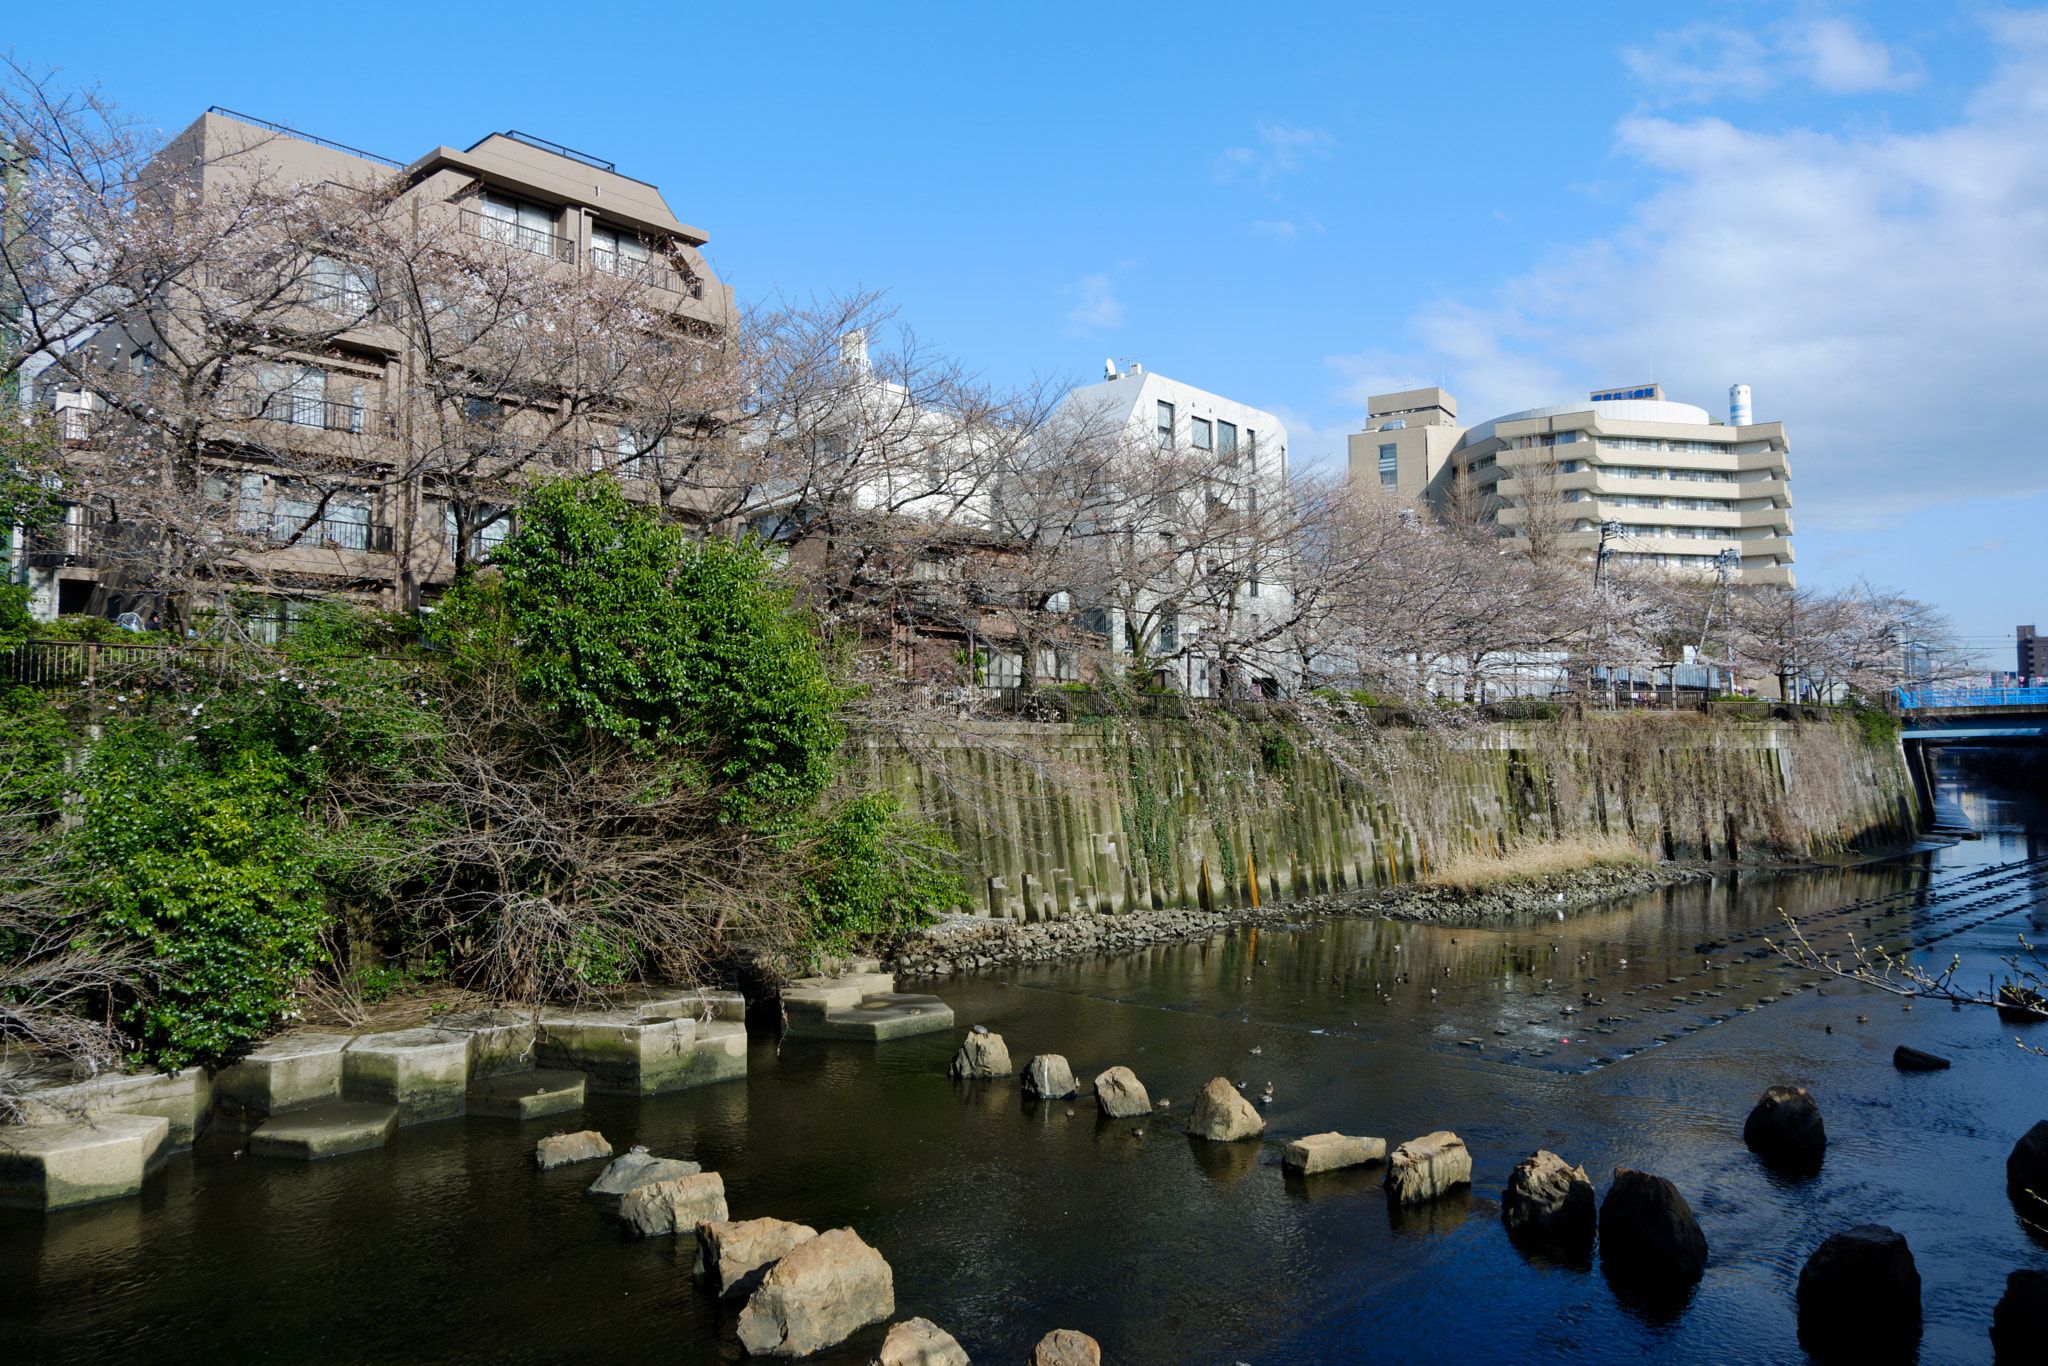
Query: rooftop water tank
{"type": "Point", "coordinates": [1738, 405]}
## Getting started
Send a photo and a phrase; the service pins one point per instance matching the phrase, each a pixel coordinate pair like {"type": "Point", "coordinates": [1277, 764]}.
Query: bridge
{"type": "Point", "coordinates": [1963, 715]}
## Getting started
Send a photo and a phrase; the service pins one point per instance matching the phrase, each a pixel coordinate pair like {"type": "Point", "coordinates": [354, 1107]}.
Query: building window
{"type": "Point", "coordinates": [1251, 451]}
{"type": "Point", "coordinates": [1165, 426]}
{"type": "Point", "coordinates": [343, 288]}
{"type": "Point", "coordinates": [1226, 442]}
{"type": "Point", "coordinates": [1200, 427]}
{"type": "Point", "coordinates": [1390, 466]}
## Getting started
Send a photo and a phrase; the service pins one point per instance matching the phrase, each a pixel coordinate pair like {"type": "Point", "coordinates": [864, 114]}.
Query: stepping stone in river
{"type": "Point", "coordinates": [527, 1095]}
{"type": "Point", "coordinates": [328, 1130]}
{"type": "Point", "coordinates": [56, 1166]}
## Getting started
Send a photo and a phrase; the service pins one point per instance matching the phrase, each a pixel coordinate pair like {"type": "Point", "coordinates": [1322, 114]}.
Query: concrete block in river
{"type": "Point", "coordinates": [1427, 1167]}
{"type": "Point", "coordinates": [695, 1002]}
{"type": "Point", "coordinates": [183, 1098]}
{"type": "Point", "coordinates": [824, 1291]}
{"type": "Point", "coordinates": [325, 1130]}
{"type": "Point", "coordinates": [424, 1072]}
{"type": "Point", "coordinates": [637, 1169]}
{"type": "Point", "coordinates": [1328, 1152]}
{"type": "Point", "coordinates": [101, 1157]}
{"type": "Point", "coordinates": [559, 1150]}
{"type": "Point", "coordinates": [877, 1018]}
{"type": "Point", "coordinates": [642, 1055]}
{"type": "Point", "coordinates": [499, 1040]}
{"type": "Point", "coordinates": [298, 1069]}
{"type": "Point", "coordinates": [526, 1095]}
{"type": "Point", "coordinates": [733, 1256]}
{"type": "Point", "coordinates": [808, 1001]}
{"type": "Point", "coordinates": [674, 1207]}
{"type": "Point", "coordinates": [1785, 1127]}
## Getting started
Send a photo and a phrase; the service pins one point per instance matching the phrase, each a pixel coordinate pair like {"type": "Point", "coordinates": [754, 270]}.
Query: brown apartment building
{"type": "Point", "coordinates": [326, 472]}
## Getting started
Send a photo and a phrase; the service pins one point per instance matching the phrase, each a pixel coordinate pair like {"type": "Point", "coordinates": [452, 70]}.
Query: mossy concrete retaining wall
{"type": "Point", "coordinates": [1055, 819]}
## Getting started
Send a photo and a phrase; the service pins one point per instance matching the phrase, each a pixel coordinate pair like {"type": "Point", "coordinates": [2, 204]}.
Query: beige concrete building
{"type": "Point", "coordinates": [1673, 486]}
{"type": "Point", "coordinates": [343, 406]}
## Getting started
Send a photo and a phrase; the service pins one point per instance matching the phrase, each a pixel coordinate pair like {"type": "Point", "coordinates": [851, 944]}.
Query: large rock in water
{"type": "Point", "coordinates": [1785, 1126]}
{"type": "Point", "coordinates": [981, 1055]}
{"type": "Point", "coordinates": [1222, 1115]}
{"type": "Point", "coordinates": [1065, 1347]}
{"type": "Point", "coordinates": [1048, 1077]}
{"type": "Point", "coordinates": [1648, 1231]}
{"type": "Point", "coordinates": [2019, 1325]}
{"type": "Point", "coordinates": [559, 1150]}
{"type": "Point", "coordinates": [639, 1169]}
{"type": "Point", "coordinates": [1328, 1152]}
{"type": "Point", "coordinates": [1121, 1095]}
{"type": "Point", "coordinates": [1859, 1297]}
{"type": "Point", "coordinates": [1548, 1198]}
{"type": "Point", "coordinates": [1913, 1060]}
{"type": "Point", "coordinates": [2026, 1171]}
{"type": "Point", "coordinates": [734, 1255]}
{"type": "Point", "coordinates": [1424, 1168]}
{"type": "Point", "coordinates": [822, 1292]}
{"type": "Point", "coordinates": [920, 1342]}
{"type": "Point", "coordinates": [675, 1207]}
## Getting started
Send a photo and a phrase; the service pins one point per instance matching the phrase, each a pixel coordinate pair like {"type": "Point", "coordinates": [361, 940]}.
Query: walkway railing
{"type": "Point", "coordinates": [1913, 699]}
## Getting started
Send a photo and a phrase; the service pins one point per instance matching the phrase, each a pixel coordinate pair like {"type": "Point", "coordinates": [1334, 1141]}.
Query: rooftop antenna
{"type": "Point", "coordinates": [1109, 369]}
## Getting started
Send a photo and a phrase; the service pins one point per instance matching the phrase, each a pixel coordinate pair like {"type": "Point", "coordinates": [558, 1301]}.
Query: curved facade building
{"type": "Point", "coordinates": [1681, 486]}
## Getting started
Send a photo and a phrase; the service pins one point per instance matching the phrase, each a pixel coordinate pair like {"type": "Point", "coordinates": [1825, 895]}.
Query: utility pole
{"type": "Point", "coordinates": [1727, 561]}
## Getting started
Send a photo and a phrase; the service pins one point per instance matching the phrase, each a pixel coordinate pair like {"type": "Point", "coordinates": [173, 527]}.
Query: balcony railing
{"type": "Point", "coordinates": [539, 241]}
{"type": "Point", "coordinates": [645, 272]}
{"type": "Point", "coordinates": [305, 410]}
{"type": "Point", "coordinates": [277, 530]}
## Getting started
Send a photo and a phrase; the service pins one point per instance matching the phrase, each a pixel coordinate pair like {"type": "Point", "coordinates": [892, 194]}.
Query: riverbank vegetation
{"type": "Point", "coordinates": [606, 756]}
{"type": "Point", "coordinates": [1537, 861]}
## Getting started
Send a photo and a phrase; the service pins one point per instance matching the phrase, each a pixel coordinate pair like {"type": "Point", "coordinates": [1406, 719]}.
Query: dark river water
{"type": "Point", "coordinates": [1004, 1219]}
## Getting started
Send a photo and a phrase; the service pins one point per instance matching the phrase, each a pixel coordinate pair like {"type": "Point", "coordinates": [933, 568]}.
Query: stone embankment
{"type": "Point", "coordinates": [977, 943]}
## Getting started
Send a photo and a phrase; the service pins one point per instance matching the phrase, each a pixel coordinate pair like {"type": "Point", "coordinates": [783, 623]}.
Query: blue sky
{"type": "Point", "coordinates": [1843, 205]}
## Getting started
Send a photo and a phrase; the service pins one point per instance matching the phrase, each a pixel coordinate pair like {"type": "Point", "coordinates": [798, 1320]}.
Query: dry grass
{"type": "Point", "coordinates": [1535, 861]}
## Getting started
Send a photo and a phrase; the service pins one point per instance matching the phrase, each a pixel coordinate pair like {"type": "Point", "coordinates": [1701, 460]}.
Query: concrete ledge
{"type": "Point", "coordinates": [809, 1000]}
{"type": "Point", "coordinates": [626, 1053]}
{"type": "Point", "coordinates": [876, 1018]}
{"type": "Point", "coordinates": [56, 1166]}
{"type": "Point", "coordinates": [499, 1040]}
{"type": "Point", "coordinates": [678, 1002]}
{"type": "Point", "coordinates": [526, 1095]}
{"type": "Point", "coordinates": [301, 1069]}
{"type": "Point", "coordinates": [183, 1098]}
{"type": "Point", "coordinates": [424, 1072]}
{"type": "Point", "coordinates": [327, 1130]}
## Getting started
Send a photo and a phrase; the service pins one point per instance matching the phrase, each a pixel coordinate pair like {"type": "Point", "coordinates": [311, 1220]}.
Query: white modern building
{"type": "Point", "coordinates": [1670, 484]}
{"type": "Point", "coordinates": [1238, 454]}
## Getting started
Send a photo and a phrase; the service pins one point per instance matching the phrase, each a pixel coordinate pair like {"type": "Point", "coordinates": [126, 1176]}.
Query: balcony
{"type": "Point", "coordinates": [536, 240]}
{"type": "Point", "coordinates": [275, 531]}
{"type": "Point", "coordinates": [651, 273]}
{"type": "Point", "coordinates": [324, 414]}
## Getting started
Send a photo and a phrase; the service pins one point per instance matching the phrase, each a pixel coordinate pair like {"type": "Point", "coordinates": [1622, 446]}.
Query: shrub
{"type": "Point", "coordinates": [875, 869]}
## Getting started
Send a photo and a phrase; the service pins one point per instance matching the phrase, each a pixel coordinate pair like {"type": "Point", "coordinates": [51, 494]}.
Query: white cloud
{"type": "Point", "coordinates": [1885, 293]}
{"type": "Point", "coordinates": [1700, 62]}
{"type": "Point", "coordinates": [1282, 148]}
{"type": "Point", "coordinates": [1990, 547]}
{"type": "Point", "coordinates": [1097, 307]}
{"type": "Point", "coordinates": [1313, 449]}
{"type": "Point", "coordinates": [1842, 61]}
{"type": "Point", "coordinates": [1280, 231]}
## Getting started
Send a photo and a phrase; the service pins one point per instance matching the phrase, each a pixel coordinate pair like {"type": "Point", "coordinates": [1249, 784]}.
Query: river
{"type": "Point", "coordinates": [1004, 1218]}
